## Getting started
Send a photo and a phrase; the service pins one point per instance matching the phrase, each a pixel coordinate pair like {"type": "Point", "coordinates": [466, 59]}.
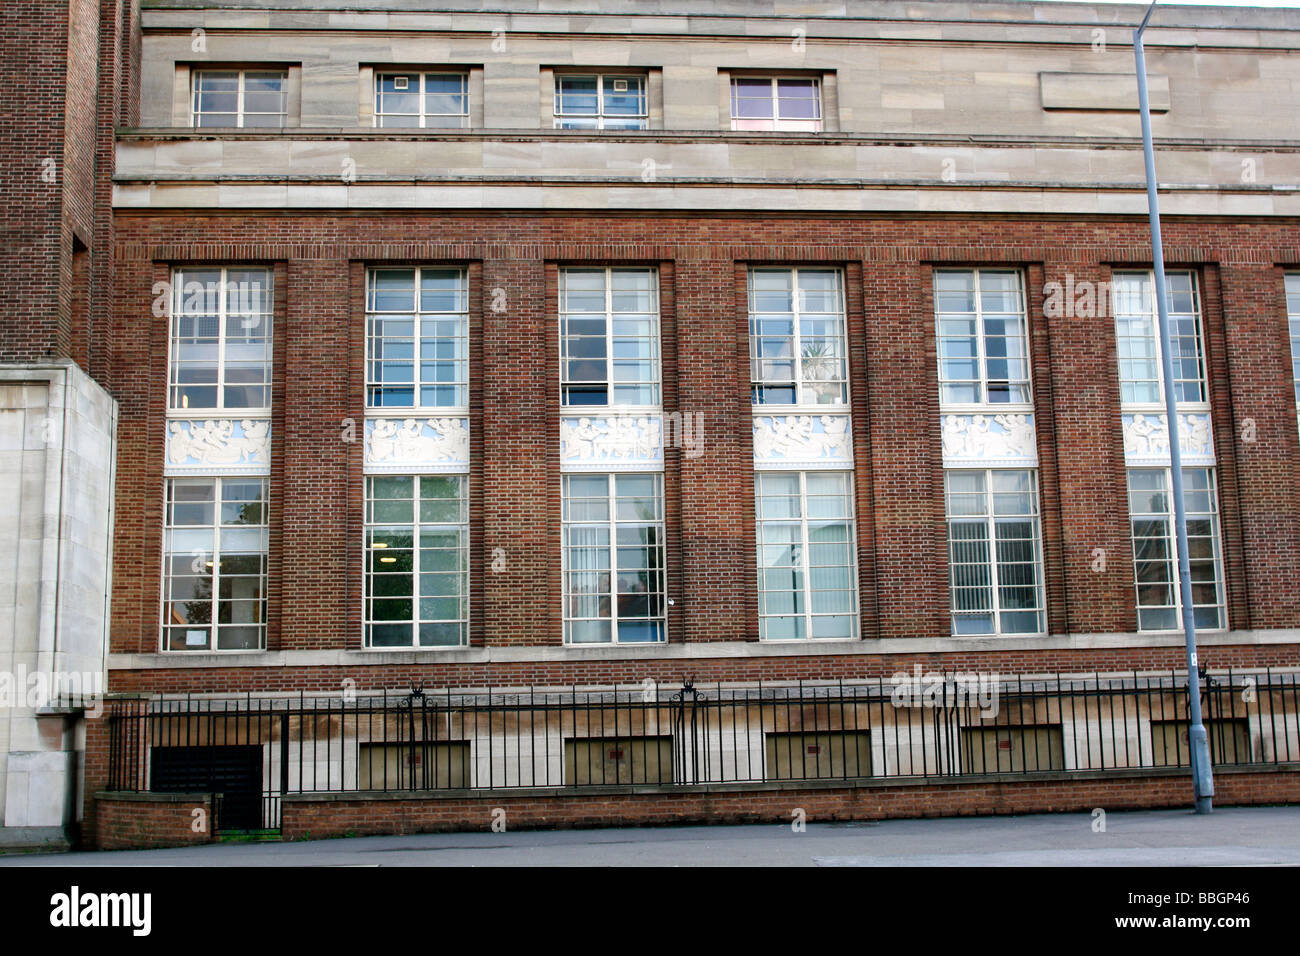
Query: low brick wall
{"type": "Point", "coordinates": [318, 816]}
{"type": "Point", "coordinates": [140, 821]}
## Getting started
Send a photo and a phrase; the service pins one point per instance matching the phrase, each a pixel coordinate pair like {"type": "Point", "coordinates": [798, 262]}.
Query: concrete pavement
{"type": "Point", "coordinates": [1233, 836]}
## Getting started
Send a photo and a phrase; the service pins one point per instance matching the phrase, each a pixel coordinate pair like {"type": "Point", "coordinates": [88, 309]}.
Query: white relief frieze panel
{"type": "Point", "coordinates": [1146, 438]}
{"type": "Point", "coordinates": [218, 446]}
{"type": "Point", "coordinates": [611, 442]}
{"type": "Point", "coordinates": [417, 445]}
{"type": "Point", "coordinates": [802, 441]}
{"type": "Point", "coordinates": [1007, 438]}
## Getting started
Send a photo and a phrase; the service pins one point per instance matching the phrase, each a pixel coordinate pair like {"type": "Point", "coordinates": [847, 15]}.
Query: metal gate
{"type": "Point", "coordinates": [234, 772]}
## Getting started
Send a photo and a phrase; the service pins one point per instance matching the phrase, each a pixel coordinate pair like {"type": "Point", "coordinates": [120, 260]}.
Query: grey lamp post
{"type": "Point", "coordinates": [1202, 775]}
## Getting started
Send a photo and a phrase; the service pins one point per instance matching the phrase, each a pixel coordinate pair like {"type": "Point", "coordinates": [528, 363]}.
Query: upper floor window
{"type": "Point", "coordinates": [1138, 345]}
{"type": "Point", "coordinates": [994, 551]}
{"type": "Point", "coordinates": [240, 98]}
{"type": "Point", "coordinates": [422, 100]}
{"type": "Point", "coordinates": [1293, 314]}
{"type": "Point", "coordinates": [614, 578]}
{"type": "Point", "coordinates": [776, 103]}
{"type": "Point", "coordinates": [221, 339]}
{"type": "Point", "coordinates": [600, 101]}
{"type": "Point", "coordinates": [1155, 555]}
{"type": "Point", "coordinates": [806, 555]}
{"type": "Point", "coordinates": [796, 337]}
{"type": "Point", "coordinates": [983, 339]}
{"type": "Point", "coordinates": [417, 338]}
{"type": "Point", "coordinates": [609, 337]}
{"type": "Point", "coordinates": [417, 561]}
{"type": "Point", "coordinates": [214, 564]}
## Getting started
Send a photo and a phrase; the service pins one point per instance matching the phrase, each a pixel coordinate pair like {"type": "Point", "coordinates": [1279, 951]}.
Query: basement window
{"type": "Point", "coordinates": [1229, 740]}
{"type": "Point", "coordinates": [1012, 748]}
{"type": "Point", "coordinates": [424, 765]}
{"type": "Point", "coordinates": [800, 755]}
{"type": "Point", "coordinates": [596, 761]}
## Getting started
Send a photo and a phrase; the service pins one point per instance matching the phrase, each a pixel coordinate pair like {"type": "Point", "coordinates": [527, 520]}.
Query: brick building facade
{"type": "Point", "coordinates": [669, 343]}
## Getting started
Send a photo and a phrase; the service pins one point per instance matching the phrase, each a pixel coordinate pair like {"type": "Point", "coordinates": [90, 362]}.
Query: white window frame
{"type": "Point", "coordinates": [981, 345]}
{"type": "Point", "coordinates": [195, 114]}
{"type": "Point", "coordinates": [779, 124]}
{"type": "Point", "coordinates": [1171, 548]}
{"type": "Point", "coordinates": [989, 519]}
{"type": "Point", "coordinates": [422, 76]}
{"type": "Point", "coordinates": [177, 309]}
{"type": "Point", "coordinates": [213, 626]}
{"type": "Point", "coordinates": [368, 552]}
{"type": "Point", "coordinates": [612, 524]}
{"type": "Point", "coordinates": [417, 385]}
{"type": "Point", "coordinates": [797, 345]}
{"type": "Point", "coordinates": [1153, 314]}
{"type": "Point", "coordinates": [599, 116]}
{"type": "Point", "coordinates": [609, 315]}
{"type": "Point", "coordinates": [805, 551]}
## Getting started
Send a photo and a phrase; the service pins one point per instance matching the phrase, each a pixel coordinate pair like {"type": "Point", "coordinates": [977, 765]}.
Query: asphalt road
{"type": "Point", "coordinates": [1255, 836]}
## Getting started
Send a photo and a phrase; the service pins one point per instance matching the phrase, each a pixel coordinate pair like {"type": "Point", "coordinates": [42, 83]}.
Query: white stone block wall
{"type": "Point", "coordinates": [57, 452]}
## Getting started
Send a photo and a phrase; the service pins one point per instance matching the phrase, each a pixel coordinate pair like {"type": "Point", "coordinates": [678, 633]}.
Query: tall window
{"type": "Point", "coordinates": [994, 551]}
{"type": "Point", "coordinates": [806, 555]}
{"type": "Point", "coordinates": [796, 337]}
{"type": "Point", "coordinates": [417, 331]}
{"type": "Point", "coordinates": [776, 103]}
{"type": "Point", "coordinates": [1293, 314]}
{"type": "Point", "coordinates": [982, 337]}
{"type": "Point", "coordinates": [1155, 555]}
{"type": "Point", "coordinates": [214, 564]}
{"type": "Point", "coordinates": [221, 339]}
{"type": "Point", "coordinates": [239, 98]}
{"type": "Point", "coordinates": [598, 101]}
{"type": "Point", "coordinates": [422, 100]}
{"type": "Point", "coordinates": [609, 337]}
{"type": "Point", "coordinates": [417, 561]}
{"type": "Point", "coordinates": [1138, 345]}
{"type": "Point", "coordinates": [614, 587]}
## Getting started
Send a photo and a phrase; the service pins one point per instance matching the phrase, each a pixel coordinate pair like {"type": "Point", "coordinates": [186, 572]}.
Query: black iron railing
{"type": "Point", "coordinates": [255, 750]}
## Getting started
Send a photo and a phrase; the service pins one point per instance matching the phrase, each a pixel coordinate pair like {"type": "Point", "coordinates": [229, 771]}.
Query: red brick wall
{"type": "Point", "coordinates": [316, 478]}
{"type": "Point", "coordinates": [61, 100]}
{"type": "Point", "coordinates": [308, 818]}
{"type": "Point", "coordinates": [33, 91]}
{"type": "Point", "coordinates": [146, 821]}
{"type": "Point", "coordinates": [1256, 351]}
{"type": "Point", "coordinates": [69, 66]}
{"type": "Point", "coordinates": [427, 670]}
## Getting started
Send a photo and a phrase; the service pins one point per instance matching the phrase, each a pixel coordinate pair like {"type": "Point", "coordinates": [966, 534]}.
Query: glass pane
{"type": "Point", "coordinates": [576, 95]}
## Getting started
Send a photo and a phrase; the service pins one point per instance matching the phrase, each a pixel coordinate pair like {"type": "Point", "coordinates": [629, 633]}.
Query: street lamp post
{"type": "Point", "coordinates": [1202, 775]}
